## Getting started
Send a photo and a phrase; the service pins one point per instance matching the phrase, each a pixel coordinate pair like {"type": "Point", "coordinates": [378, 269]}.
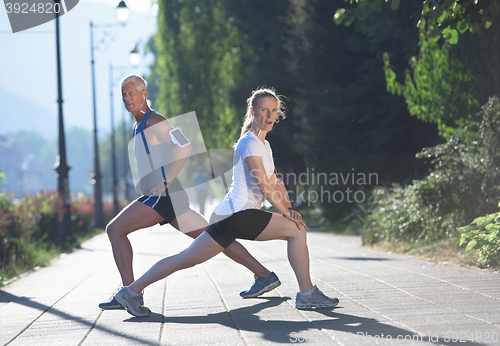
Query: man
{"type": "Point", "coordinates": [163, 200]}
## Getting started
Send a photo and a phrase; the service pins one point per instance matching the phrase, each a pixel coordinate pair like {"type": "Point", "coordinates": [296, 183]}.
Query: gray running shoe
{"type": "Point", "coordinates": [131, 302]}
{"type": "Point", "coordinates": [261, 286]}
{"type": "Point", "coordinates": [111, 305]}
{"type": "Point", "coordinates": [114, 305]}
{"type": "Point", "coordinates": [315, 299]}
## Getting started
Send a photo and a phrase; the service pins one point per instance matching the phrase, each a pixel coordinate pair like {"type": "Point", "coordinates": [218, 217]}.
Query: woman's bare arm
{"type": "Point", "coordinates": [276, 197]}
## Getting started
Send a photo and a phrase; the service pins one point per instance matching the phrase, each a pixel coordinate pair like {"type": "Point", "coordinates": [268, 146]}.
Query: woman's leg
{"type": "Point", "coordinates": [202, 249]}
{"type": "Point", "coordinates": [298, 254]}
{"type": "Point", "coordinates": [195, 224]}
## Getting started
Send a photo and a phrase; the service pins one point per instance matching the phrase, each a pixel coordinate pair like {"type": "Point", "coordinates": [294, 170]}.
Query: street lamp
{"type": "Point", "coordinates": [122, 14]}
{"type": "Point", "coordinates": [134, 60]}
{"type": "Point", "coordinates": [134, 56]}
{"type": "Point", "coordinates": [65, 231]}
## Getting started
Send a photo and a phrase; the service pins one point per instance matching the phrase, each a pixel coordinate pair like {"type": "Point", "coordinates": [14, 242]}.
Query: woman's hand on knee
{"type": "Point", "coordinates": [301, 225]}
{"type": "Point", "coordinates": [295, 214]}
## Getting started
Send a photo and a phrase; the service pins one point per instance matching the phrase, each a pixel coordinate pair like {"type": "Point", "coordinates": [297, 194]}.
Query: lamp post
{"type": "Point", "coordinates": [116, 207]}
{"type": "Point", "coordinates": [122, 13]}
{"type": "Point", "coordinates": [134, 60]}
{"type": "Point", "coordinates": [65, 231]}
{"type": "Point", "coordinates": [125, 154]}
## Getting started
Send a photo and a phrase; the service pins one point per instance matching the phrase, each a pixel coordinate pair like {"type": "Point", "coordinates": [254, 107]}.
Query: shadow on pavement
{"type": "Point", "coordinates": [6, 297]}
{"type": "Point", "coordinates": [359, 328]}
{"type": "Point", "coordinates": [362, 258]}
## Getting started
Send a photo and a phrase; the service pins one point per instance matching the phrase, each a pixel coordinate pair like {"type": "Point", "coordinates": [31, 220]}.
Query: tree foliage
{"type": "Point", "coordinates": [340, 116]}
{"type": "Point", "coordinates": [454, 16]}
{"type": "Point", "coordinates": [348, 121]}
{"type": "Point", "coordinates": [464, 184]}
{"type": "Point", "coordinates": [199, 55]}
{"type": "Point", "coordinates": [483, 234]}
{"type": "Point", "coordinates": [437, 89]}
{"type": "Point", "coordinates": [448, 18]}
{"type": "Point", "coordinates": [447, 80]}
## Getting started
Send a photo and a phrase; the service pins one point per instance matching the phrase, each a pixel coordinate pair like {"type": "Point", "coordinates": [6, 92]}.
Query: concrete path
{"type": "Point", "coordinates": [384, 299]}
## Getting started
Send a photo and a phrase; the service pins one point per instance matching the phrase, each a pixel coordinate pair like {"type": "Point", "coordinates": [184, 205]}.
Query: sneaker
{"type": "Point", "coordinates": [314, 298]}
{"type": "Point", "coordinates": [261, 286]}
{"type": "Point", "coordinates": [131, 302]}
{"type": "Point", "coordinates": [114, 305]}
{"type": "Point", "coordinates": [111, 305]}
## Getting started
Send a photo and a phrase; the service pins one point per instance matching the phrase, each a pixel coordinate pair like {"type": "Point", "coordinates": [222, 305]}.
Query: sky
{"type": "Point", "coordinates": [28, 79]}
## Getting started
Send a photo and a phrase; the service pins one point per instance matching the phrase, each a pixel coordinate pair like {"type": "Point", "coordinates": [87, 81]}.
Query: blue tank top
{"type": "Point", "coordinates": [152, 161]}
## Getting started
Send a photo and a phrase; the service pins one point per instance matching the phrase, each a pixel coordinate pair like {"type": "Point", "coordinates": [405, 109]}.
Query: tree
{"type": "Point", "coordinates": [198, 65]}
{"type": "Point", "coordinates": [349, 123]}
{"type": "Point", "coordinates": [448, 79]}
{"type": "Point", "coordinates": [454, 16]}
{"type": "Point", "coordinates": [225, 55]}
{"type": "Point", "coordinates": [265, 64]}
{"type": "Point", "coordinates": [340, 115]}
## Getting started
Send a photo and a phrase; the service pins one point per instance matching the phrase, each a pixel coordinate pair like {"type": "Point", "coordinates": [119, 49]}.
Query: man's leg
{"type": "Point", "coordinates": [132, 218]}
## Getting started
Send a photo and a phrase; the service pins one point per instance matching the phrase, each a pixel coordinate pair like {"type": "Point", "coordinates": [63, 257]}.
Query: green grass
{"type": "Point", "coordinates": [40, 255]}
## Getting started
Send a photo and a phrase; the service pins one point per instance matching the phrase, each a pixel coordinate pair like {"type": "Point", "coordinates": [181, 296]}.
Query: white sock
{"type": "Point", "coordinates": [133, 293]}
{"type": "Point", "coordinates": [308, 293]}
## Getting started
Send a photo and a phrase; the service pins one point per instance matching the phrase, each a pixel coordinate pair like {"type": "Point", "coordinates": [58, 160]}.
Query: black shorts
{"type": "Point", "coordinates": [173, 204]}
{"type": "Point", "coordinates": [245, 224]}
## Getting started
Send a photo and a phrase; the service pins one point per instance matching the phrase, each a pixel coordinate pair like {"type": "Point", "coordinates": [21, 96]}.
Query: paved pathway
{"type": "Point", "coordinates": [384, 299]}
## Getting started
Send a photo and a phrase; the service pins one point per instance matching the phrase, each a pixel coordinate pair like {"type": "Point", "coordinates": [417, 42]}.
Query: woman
{"type": "Point", "coordinates": [239, 214]}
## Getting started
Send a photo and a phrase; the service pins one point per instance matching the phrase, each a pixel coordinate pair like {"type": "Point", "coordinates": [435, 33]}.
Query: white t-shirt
{"type": "Point", "coordinates": [245, 192]}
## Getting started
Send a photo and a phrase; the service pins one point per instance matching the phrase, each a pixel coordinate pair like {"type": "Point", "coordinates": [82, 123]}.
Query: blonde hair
{"type": "Point", "coordinates": [140, 83]}
{"type": "Point", "coordinates": [252, 102]}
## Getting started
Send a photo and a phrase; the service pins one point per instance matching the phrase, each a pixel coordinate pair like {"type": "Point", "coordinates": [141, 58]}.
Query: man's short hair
{"type": "Point", "coordinates": [140, 83]}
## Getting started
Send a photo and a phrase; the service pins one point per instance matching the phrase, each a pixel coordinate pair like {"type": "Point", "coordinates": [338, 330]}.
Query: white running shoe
{"type": "Point", "coordinates": [314, 298]}
{"type": "Point", "coordinates": [131, 302]}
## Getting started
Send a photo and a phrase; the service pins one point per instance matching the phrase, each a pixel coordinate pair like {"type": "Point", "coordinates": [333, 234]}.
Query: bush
{"type": "Point", "coordinates": [483, 234]}
{"type": "Point", "coordinates": [38, 215]}
{"type": "Point", "coordinates": [25, 228]}
{"type": "Point", "coordinates": [8, 230]}
{"type": "Point", "coordinates": [82, 215]}
{"type": "Point", "coordinates": [28, 230]}
{"type": "Point", "coordinates": [464, 184]}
